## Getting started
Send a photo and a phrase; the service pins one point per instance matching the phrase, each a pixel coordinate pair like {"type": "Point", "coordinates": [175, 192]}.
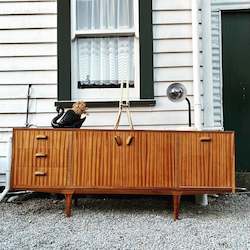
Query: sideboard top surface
{"type": "Point", "coordinates": [125, 130]}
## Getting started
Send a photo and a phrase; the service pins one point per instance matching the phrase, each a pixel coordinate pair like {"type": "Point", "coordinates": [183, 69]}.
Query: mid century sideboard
{"type": "Point", "coordinates": [85, 161]}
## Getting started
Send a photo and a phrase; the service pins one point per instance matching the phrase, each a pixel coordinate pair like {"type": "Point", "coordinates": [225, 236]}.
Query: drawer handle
{"type": "Point", "coordinates": [130, 140]}
{"type": "Point", "coordinates": [41, 137]}
{"type": "Point", "coordinates": [205, 139]}
{"type": "Point", "coordinates": [40, 173]}
{"type": "Point", "coordinates": [118, 140]}
{"type": "Point", "coordinates": [41, 155]}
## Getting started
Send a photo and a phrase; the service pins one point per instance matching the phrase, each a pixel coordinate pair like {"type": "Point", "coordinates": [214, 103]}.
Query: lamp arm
{"type": "Point", "coordinates": [189, 113]}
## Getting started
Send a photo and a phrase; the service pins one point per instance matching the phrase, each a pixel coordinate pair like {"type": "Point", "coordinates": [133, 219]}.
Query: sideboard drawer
{"type": "Point", "coordinates": [41, 148]}
{"type": "Point", "coordinates": [41, 139]}
{"type": "Point", "coordinates": [38, 177]}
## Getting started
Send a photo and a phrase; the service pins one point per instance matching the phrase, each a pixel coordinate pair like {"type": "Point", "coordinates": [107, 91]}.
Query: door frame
{"type": "Point", "coordinates": [208, 50]}
{"type": "Point", "coordinates": [225, 8]}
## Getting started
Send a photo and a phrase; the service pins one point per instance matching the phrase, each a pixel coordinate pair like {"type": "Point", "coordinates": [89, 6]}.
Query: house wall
{"type": "Point", "coordinates": [173, 62]}
{"type": "Point", "coordinates": [217, 6]}
{"type": "Point", "coordinates": [28, 56]}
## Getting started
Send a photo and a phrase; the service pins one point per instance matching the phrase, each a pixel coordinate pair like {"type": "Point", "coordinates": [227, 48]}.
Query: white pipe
{"type": "Point", "coordinates": [200, 199]}
{"type": "Point", "coordinates": [207, 65]}
{"type": "Point", "coordinates": [7, 186]}
{"type": "Point", "coordinates": [196, 65]}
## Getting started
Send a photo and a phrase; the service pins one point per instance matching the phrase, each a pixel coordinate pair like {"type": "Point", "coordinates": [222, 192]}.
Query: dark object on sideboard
{"type": "Point", "coordinates": [70, 119]}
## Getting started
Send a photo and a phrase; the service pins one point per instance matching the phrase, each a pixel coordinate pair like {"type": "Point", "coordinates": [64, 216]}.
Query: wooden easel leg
{"type": "Point", "coordinates": [68, 203]}
{"type": "Point", "coordinates": [176, 206]}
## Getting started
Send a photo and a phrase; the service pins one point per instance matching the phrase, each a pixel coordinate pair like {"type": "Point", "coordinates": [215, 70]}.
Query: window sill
{"type": "Point", "coordinates": [109, 104]}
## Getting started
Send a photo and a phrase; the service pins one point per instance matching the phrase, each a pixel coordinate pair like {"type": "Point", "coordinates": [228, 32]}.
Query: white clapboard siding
{"type": "Point", "coordinates": [2, 178]}
{"type": "Point", "coordinates": [5, 135]}
{"type": "Point", "coordinates": [24, 7]}
{"type": "Point", "coordinates": [172, 17]}
{"type": "Point", "coordinates": [47, 106]}
{"type": "Point", "coordinates": [26, 50]}
{"type": "Point", "coordinates": [28, 63]}
{"type": "Point", "coordinates": [174, 127]}
{"type": "Point", "coordinates": [173, 45]}
{"type": "Point", "coordinates": [173, 74]}
{"type": "Point", "coordinates": [31, 1]}
{"type": "Point", "coordinates": [173, 54]}
{"type": "Point", "coordinates": [172, 5]}
{"type": "Point", "coordinates": [3, 148]}
{"type": "Point", "coordinates": [161, 88]}
{"type": "Point", "coordinates": [9, 92]}
{"type": "Point", "coordinates": [4, 138]}
{"type": "Point", "coordinates": [27, 21]}
{"type": "Point", "coordinates": [32, 77]}
{"type": "Point", "coordinates": [28, 56]}
{"type": "Point", "coordinates": [31, 36]}
{"type": "Point", "coordinates": [105, 119]}
{"type": "Point", "coordinates": [172, 31]}
{"type": "Point", "coordinates": [20, 105]}
{"type": "Point", "coordinates": [174, 59]}
{"type": "Point", "coordinates": [217, 6]}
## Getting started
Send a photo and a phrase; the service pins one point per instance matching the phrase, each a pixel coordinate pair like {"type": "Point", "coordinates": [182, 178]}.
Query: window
{"type": "Point", "coordinates": [100, 44]}
{"type": "Point", "coordinates": [105, 48]}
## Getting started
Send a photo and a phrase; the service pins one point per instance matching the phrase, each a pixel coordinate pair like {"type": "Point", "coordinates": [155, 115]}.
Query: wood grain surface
{"type": "Point", "coordinates": [151, 159]}
{"type": "Point", "coordinates": [73, 161]}
{"type": "Point", "coordinates": [26, 146]}
{"type": "Point", "coordinates": [205, 160]}
{"type": "Point", "coordinates": [148, 161]}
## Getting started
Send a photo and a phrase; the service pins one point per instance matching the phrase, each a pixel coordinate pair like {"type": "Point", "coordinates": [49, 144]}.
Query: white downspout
{"type": "Point", "coordinates": [196, 65]}
{"type": "Point", "coordinates": [200, 199]}
{"type": "Point", "coordinates": [207, 65]}
{"type": "Point", "coordinates": [7, 186]}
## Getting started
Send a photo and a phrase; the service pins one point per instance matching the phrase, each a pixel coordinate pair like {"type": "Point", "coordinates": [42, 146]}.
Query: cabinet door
{"type": "Point", "coordinates": [142, 160]}
{"type": "Point", "coordinates": [40, 158]}
{"type": "Point", "coordinates": [206, 160]}
{"type": "Point", "coordinates": [158, 165]}
{"type": "Point", "coordinates": [91, 159]}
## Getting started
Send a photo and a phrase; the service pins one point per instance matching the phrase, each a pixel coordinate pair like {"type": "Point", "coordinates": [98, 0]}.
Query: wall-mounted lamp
{"type": "Point", "coordinates": [177, 92]}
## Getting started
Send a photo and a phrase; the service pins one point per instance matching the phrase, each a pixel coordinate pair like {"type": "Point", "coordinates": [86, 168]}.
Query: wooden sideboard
{"type": "Point", "coordinates": [84, 161]}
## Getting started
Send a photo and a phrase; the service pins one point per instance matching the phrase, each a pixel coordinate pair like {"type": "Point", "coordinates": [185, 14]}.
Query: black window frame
{"type": "Point", "coordinates": [64, 56]}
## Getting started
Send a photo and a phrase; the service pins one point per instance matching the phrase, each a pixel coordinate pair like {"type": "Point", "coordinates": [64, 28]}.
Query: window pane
{"type": "Point", "coordinates": [104, 14]}
{"type": "Point", "coordinates": [105, 61]}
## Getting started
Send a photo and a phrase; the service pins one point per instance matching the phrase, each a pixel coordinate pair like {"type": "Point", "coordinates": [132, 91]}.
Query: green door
{"type": "Point", "coordinates": [236, 81]}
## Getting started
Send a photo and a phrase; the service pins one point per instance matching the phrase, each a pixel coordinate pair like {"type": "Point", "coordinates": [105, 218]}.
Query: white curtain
{"type": "Point", "coordinates": [104, 14]}
{"type": "Point", "coordinates": [105, 61]}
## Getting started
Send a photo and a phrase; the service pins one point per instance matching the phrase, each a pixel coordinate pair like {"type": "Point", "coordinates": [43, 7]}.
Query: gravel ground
{"type": "Point", "coordinates": [142, 223]}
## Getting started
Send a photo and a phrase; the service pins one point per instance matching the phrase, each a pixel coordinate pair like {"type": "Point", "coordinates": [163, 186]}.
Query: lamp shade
{"type": "Point", "coordinates": [176, 92]}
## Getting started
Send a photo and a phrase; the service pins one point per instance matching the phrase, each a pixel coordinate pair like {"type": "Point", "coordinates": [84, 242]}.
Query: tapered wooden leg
{"type": "Point", "coordinates": [176, 206]}
{"type": "Point", "coordinates": [68, 202]}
